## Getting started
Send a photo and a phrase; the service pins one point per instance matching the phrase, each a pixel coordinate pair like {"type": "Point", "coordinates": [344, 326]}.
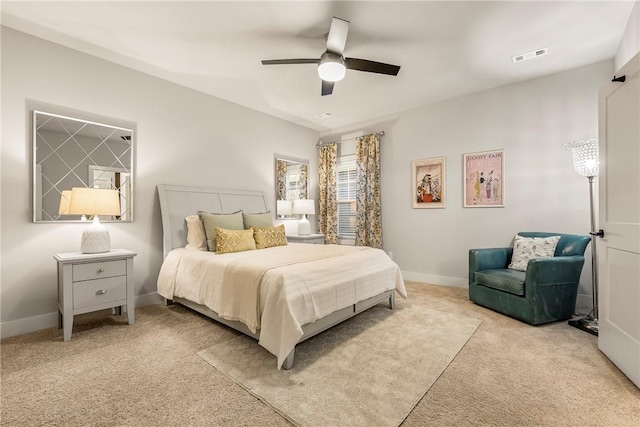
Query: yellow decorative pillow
{"type": "Point", "coordinates": [228, 241]}
{"type": "Point", "coordinates": [267, 237]}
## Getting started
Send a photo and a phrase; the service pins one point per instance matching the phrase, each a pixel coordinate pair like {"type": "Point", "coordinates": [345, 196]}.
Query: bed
{"type": "Point", "coordinates": [300, 290]}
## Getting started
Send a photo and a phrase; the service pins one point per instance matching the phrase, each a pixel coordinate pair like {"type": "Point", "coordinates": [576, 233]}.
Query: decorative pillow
{"type": "Point", "coordinates": [196, 237]}
{"type": "Point", "coordinates": [231, 221]}
{"type": "Point", "coordinates": [257, 219]}
{"type": "Point", "coordinates": [526, 248]}
{"type": "Point", "coordinates": [268, 237]}
{"type": "Point", "coordinates": [228, 241]}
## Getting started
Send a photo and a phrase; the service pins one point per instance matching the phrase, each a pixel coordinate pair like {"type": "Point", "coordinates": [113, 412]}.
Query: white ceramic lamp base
{"type": "Point", "coordinates": [95, 238]}
{"type": "Point", "coordinates": [304, 228]}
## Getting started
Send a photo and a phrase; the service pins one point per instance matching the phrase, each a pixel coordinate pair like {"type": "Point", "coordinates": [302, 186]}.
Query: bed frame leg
{"type": "Point", "coordinates": [288, 362]}
{"type": "Point", "coordinates": [392, 300]}
{"type": "Point", "coordinates": [167, 302]}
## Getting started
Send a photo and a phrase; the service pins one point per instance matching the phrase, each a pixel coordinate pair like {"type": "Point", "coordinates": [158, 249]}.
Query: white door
{"type": "Point", "coordinates": [619, 249]}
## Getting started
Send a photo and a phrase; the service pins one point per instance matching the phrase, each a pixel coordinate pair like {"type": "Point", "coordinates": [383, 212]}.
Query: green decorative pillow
{"type": "Point", "coordinates": [268, 237]}
{"type": "Point", "coordinates": [228, 241]}
{"type": "Point", "coordinates": [257, 219]}
{"type": "Point", "coordinates": [526, 248]}
{"type": "Point", "coordinates": [231, 221]}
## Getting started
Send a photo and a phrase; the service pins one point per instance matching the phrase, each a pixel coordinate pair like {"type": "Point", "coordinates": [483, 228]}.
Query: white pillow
{"type": "Point", "coordinates": [196, 237]}
{"type": "Point", "coordinates": [526, 248]}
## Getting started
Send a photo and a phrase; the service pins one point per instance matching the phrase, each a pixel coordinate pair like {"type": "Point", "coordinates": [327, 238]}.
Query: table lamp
{"type": "Point", "coordinates": [284, 208]}
{"type": "Point", "coordinates": [94, 201]}
{"type": "Point", "coordinates": [304, 207]}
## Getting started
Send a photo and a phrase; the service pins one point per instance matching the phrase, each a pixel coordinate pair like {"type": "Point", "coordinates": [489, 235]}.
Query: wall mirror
{"type": "Point", "coordinates": [70, 152]}
{"type": "Point", "coordinates": [291, 183]}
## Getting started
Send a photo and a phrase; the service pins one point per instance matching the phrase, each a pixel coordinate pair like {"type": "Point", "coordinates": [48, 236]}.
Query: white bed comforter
{"type": "Point", "coordinates": [304, 283]}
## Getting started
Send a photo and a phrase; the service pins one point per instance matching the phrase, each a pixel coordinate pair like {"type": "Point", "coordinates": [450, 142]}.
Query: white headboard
{"type": "Point", "coordinates": [176, 202]}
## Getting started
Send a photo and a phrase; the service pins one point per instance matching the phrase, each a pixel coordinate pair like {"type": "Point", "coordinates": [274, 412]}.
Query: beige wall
{"type": "Point", "coordinates": [630, 43]}
{"type": "Point", "coordinates": [183, 137]}
{"type": "Point", "coordinates": [531, 121]}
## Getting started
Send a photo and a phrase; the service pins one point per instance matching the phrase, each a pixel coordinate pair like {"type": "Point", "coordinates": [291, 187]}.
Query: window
{"type": "Point", "coordinates": [346, 197]}
{"type": "Point", "coordinates": [294, 181]}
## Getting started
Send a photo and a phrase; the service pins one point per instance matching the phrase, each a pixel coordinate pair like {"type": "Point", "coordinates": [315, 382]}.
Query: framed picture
{"type": "Point", "coordinates": [429, 189]}
{"type": "Point", "coordinates": [484, 179]}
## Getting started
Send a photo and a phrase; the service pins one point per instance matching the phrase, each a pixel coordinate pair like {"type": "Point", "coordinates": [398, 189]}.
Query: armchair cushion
{"type": "Point", "coordinates": [511, 281]}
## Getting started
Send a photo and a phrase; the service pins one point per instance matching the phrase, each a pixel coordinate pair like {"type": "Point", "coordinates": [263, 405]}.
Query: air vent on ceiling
{"type": "Point", "coordinates": [529, 55]}
{"type": "Point", "coordinates": [323, 115]}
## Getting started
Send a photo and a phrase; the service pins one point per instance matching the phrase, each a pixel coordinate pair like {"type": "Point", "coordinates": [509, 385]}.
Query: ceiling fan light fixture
{"type": "Point", "coordinates": [331, 67]}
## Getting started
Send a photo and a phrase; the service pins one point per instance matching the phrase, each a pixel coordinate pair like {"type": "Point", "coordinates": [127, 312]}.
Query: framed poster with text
{"type": "Point", "coordinates": [484, 179]}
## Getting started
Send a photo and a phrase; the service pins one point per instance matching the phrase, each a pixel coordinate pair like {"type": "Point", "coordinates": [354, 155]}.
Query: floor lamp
{"type": "Point", "coordinates": [585, 162]}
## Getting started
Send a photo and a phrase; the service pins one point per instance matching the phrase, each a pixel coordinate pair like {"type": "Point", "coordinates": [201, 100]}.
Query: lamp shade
{"type": "Point", "coordinates": [65, 200]}
{"type": "Point", "coordinates": [284, 207]}
{"type": "Point", "coordinates": [304, 207]}
{"type": "Point", "coordinates": [586, 158]}
{"type": "Point", "coordinates": [94, 201]}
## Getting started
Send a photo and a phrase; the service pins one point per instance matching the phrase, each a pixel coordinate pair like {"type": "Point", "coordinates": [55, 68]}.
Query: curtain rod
{"type": "Point", "coordinates": [320, 143]}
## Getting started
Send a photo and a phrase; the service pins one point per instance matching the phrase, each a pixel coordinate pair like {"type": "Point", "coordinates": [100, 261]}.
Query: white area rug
{"type": "Point", "coordinates": [368, 371]}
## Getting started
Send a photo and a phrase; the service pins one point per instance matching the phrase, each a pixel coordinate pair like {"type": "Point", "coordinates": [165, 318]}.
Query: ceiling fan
{"type": "Point", "coordinates": [332, 65]}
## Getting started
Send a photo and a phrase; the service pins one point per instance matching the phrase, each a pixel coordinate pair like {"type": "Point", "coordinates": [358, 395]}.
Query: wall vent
{"type": "Point", "coordinates": [529, 55]}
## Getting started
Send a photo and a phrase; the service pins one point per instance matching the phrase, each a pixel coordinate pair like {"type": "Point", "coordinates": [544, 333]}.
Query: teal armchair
{"type": "Point", "coordinates": [545, 293]}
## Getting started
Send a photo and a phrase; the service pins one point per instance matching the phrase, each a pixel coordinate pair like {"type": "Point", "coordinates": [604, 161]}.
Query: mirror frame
{"type": "Point", "coordinates": [34, 165]}
{"type": "Point", "coordinates": [291, 159]}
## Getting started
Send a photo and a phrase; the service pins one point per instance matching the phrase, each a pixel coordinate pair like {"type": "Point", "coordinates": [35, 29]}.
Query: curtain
{"type": "Point", "coordinates": [328, 205]}
{"type": "Point", "coordinates": [281, 176]}
{"type": "Point", "coordinates": [368, 210]}
{"type": "Point", "coordinates": [304, 192]}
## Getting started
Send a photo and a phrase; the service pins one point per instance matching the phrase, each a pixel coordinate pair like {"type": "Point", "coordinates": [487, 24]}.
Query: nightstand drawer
{"type": "Point", "coordinates": [99, 270]}
{"type": "Point", "coordinates": [99, 291]}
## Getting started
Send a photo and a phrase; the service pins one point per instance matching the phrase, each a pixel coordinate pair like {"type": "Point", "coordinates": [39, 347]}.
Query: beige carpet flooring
{"type": "Point", "coordinates": [149, 374]}
{"type": "Point", "coordinates": [348, 376]}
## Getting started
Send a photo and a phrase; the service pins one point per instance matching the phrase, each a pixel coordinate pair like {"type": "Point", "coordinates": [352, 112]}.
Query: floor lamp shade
{"type": "Point", "coordinates": [304, 207]}
{"type": "Point", "coordinates": [94, 201]}
{"type": "Point", "coordinates": [586, 162]}
{"type": "Point", "coordinates": [586, 158]}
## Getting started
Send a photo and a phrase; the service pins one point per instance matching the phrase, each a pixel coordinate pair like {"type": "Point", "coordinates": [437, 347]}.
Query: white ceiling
{"type": "Point", "coordinates": [446, 49]}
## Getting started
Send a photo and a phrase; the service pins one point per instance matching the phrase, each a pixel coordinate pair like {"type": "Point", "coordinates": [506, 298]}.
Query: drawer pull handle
{"type": "Point", "coordinates": [101, 270]}
{"type": "Point", "coordinates": [101, 291]}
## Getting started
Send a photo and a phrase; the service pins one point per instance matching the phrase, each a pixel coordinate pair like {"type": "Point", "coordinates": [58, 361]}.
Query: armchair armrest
{"type": "Point", "coordinates": [488, 259]}
{"type": "Point", "coordinates": [554, 271]}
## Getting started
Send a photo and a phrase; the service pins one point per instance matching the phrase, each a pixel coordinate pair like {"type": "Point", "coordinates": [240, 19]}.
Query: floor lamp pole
{"type": "Point", "coordinates": [589, 323]}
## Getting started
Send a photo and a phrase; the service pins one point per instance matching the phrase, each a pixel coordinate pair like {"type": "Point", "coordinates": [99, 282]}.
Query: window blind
{"type": "Point", "coordinates": [346, 197]}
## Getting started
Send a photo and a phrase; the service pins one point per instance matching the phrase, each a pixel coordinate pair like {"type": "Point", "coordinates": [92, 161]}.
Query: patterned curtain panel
{"type": "Point", "coordinates": [368, 211]}
{"type": "Point", "coordinates": [328, 205]}
{"type": "Point", "coordinates": [304, 172]}
{"type": "Point", "coordinates": [281, 184]}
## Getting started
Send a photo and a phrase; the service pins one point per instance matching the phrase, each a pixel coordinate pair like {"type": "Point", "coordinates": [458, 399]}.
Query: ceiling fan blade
{"type": "Point", "coordinates": [327, 87]}
{"type": "Point", "coordinates": [371, 66]}
{"type": "Point", "coordinates": [289, 61]}
{"type": "Point", "coordinates": [337, 37]}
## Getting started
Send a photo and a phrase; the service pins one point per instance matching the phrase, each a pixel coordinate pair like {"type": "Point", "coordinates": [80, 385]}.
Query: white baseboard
{"type": "Point", "coordinates": [50, 320]}
{"type": "Point", "coordinates": [584, 303]}
{"type": "Point", "coordinates": [434, 279]}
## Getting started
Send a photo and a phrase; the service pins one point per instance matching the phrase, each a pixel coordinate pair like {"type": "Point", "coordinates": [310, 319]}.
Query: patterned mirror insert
{"type": "Point", "coordinates": [70, 152]}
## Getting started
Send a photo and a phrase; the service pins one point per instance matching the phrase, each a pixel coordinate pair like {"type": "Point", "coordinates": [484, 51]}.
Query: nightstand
{"type": "Point", "coordinates": [92, 282]}
{"type": "Point", "coordinates": [316, 239]}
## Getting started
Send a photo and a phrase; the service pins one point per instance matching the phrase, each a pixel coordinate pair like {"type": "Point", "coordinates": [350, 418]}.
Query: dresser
{"type": "Point", "coordinates": [92, 282]}
{"type": "Point", "coordinates": [316, 239]}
